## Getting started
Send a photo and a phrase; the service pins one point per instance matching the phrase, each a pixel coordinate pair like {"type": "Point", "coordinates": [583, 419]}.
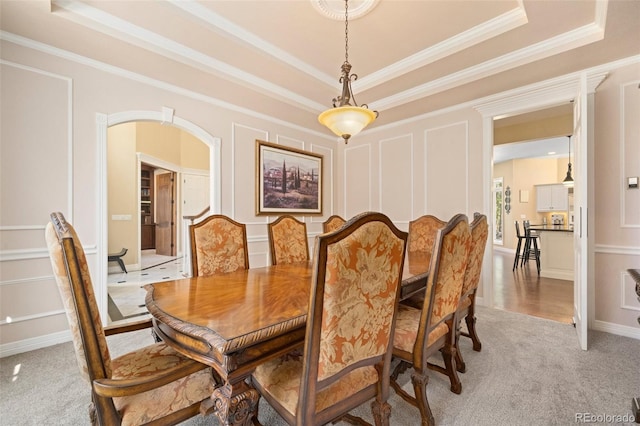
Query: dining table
{"type": "Point", "coordinates": [235, 321]}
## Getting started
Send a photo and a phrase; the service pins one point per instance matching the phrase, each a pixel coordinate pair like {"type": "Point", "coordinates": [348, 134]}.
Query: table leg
{"type": "Point", "coordinates": [233, 404]}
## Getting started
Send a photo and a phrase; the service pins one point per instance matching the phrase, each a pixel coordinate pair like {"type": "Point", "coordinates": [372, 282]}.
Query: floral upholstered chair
{"type": "Point", "coordinates": [422, 233]}
{"type": "Point", "coordinates": [334, 222]}
{"type": "Point", "coordinates": [218, 245]}
{"type": "Point", "coordinates": [479, 234]}
{"type": "Point", "coordinates": [153, 384]}
{"type": "Point", "coordinates": [420, 333]}
{"type": "Point", "coordinates": [288, 240]}
{"type": "Point", "coordinates": [352, 308]}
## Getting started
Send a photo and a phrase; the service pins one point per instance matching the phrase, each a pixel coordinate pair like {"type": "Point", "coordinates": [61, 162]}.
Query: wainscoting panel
{"type": "Point", "coordinates": [396, 177]}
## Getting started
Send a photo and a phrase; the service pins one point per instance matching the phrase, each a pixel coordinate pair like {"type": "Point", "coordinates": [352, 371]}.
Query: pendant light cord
{"type": "Point", "coordinates": [346, 31]}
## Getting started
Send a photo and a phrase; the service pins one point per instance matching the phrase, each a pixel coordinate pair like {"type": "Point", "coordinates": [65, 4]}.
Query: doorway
{"type": "Point", "coordinates": [528, 150]}
{"type": "Point", "coordinates": [105, 122]}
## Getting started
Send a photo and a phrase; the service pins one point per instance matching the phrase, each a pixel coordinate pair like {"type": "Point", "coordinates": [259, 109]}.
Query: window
{"type": "Point", "coordinates": [498, 207]}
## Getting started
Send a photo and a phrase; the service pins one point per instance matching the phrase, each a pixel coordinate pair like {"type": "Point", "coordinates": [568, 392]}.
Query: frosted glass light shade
{"type": "Point", "coordinates": [346, 121]}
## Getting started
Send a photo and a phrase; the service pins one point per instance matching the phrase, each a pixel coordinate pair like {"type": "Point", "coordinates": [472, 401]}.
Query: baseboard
{"type": "Point", "coordinates": [620, 330]}
{"type": "Point", "coordinates": [34, 343]}
{"type": "Point", "coordinates": [504, 249]}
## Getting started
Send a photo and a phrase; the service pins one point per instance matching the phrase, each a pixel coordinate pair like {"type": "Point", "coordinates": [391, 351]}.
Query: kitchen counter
{"type": "Point", "coordinates": [561, 228]}
{"type": "Point", "coordinates": [556, 251]}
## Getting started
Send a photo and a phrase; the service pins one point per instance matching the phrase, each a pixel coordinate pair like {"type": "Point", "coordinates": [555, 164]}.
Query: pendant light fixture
{"type": "Point", "coordinates": [568, 180]}
{"type": "Point", "coordinates": [346, 119]}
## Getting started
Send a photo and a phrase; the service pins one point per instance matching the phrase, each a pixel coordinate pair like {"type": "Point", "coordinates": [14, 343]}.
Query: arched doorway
{"type": "Point", "coordinates": [103, 122]}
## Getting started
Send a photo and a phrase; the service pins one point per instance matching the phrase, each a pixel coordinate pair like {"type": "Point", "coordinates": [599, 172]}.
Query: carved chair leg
{"type": "Point", "coordinates": [381, 412]}
{"type": "Point", "coordinates": [420, 381]}
{"type": "Point", "coordinates": [460, 365]}
{"type": "Point", "coordinates": [448, 355]}
{"type": "Point", "coordinates": [471, 326]}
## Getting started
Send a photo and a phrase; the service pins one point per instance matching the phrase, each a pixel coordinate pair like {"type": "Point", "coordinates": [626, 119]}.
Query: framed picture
{"type": "Point", "coordinates": [288, 180]}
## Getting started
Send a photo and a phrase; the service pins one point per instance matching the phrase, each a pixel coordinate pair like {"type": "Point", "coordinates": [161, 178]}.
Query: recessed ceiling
{"type": "Point", "coordinates": [283, 58]}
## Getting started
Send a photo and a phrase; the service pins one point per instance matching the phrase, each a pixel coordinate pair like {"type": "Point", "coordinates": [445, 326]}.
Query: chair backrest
{"type": "Point", "coordinates": [422, 233]}
{"type": "Point", "coordinates": [288, 240]}
{"type": "Point", "coordinates": [518, 234]}
{"type": "Point", "coordinates": [352, 309]}
{"type": "Point", "coordinates": [479, 229]}
{"type": "Point", "coordinates": [446, 277]}
{"type": "Point", "coordinates": [71, 272]}
{"type": "Point", "coordinates": [334, 222]}
{"type": "Point", "coordinates": [218, 245]}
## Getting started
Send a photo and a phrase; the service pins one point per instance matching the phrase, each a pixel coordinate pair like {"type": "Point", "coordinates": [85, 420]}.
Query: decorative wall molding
{"type": "Point", "coordinates": [351, 151]}
{"type": "Point", "coordinates": [627, 280]}
{"type": "Point", "coordinates": [621, 250]}
{"type": "Point", "coordinates": [15, 320]}
{"type": "Point", "coordinates": [34, 253]}
{"type": "Point", "coordinates": [27, 280]}
{"type": "Point", "coordinates": [395, 140]}
{"type": "Point", "coordinates": [623, 142]}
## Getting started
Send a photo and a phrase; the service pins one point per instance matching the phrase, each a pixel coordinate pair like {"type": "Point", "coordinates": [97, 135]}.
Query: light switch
{"type": "Point", "coordinates": [632, 182]}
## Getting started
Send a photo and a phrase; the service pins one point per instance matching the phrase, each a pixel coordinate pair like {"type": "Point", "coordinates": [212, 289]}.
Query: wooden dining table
{"type": "Point", "coordinates": [236, 321]}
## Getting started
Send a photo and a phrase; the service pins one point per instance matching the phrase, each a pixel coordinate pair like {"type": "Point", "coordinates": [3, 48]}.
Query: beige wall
{"type": "Point", "coordinates": [617, 209]}
{"type": "Point", "coordinates": [432, 165]}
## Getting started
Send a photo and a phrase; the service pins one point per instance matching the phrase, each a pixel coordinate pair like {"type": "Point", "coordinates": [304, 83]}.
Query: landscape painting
{"type": "Point", "coordinates": [289, 181]}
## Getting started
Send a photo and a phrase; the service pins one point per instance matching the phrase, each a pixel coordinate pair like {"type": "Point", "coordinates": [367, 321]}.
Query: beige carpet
{"type": "Point", "coordinates": [530, 372]}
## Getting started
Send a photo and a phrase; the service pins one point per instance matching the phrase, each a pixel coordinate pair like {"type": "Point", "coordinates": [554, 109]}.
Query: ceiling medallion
{"type": "Point", "coordinates": [334, 9]}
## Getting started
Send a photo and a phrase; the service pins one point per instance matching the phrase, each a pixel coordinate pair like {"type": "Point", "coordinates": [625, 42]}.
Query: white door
{"type": "Point", "coordinates": [580, 235]}
{"type": "Point", "coordinates": [195, 194]}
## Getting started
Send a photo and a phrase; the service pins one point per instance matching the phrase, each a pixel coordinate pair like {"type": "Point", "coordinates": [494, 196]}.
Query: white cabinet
{"type": "Point", "coordinates": [552, 198]}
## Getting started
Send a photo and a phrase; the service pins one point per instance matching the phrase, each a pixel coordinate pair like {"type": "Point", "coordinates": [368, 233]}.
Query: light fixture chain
{"type": "Point", "coordinates": [346, 30]}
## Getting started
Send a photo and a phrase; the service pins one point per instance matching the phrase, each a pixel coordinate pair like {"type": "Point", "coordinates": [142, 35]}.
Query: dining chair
{"type": "Point", "coordinates": [346, 358]}
{"type": "Point", "coordinates": [420, 333]}
{"type": "Point", "coordinates": [288, 240]}
{"type": "Point", "coordinates": [422, 233]}
{"type": "Point", "coordinates": [218, 245]}
{"type": "Point", "coordinates": [479, 229]}
{"type": "Point", "coordinates": [332, 223]}
{"type": "Point", "coordinates": [153, 384]}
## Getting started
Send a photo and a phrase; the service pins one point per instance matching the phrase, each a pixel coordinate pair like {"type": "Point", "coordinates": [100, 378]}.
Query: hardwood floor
{"type": "Point", "coordinates": [524, 291]}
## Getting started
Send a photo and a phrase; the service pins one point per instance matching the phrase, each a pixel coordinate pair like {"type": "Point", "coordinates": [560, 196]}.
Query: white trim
{"type": "Point", "coordinates": [33, 253]}
{"type": "Point", "coordinates": [41, 47]}
{"type": "Point", "coordinates": [617, 329]}
{"type": "Point", "coordinates": [15, 320]}
{"type": "Point", "coordinates": [482, 32]}
{"type": "Point", "coordinates": [103, 122]}
{"type": "Point", "coordinates": [21, 281]}
{"type": "Point", "coordinates": [622, 250]}
{"type": "Point", "coordinates": [570, 40]}
{"type": "Point", "coordinates": [23, 228]}
{"type": "Point", "coordinates": [33, 343]}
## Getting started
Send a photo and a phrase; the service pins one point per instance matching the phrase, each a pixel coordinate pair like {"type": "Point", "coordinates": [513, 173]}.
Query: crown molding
{"type": "Point", "coordinates": [106, 23]}
{"type": "Point", "coordinates": [478, 34]}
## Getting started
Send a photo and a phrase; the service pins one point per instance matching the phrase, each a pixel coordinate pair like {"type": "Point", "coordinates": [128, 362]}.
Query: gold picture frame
{"type": "Point", "coordinates": [300, 192]}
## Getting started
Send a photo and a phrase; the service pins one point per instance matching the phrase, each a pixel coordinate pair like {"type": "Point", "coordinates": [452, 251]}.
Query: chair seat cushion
{"type": "Point", "coordinates": [157, 403]}
{"type": "Point", "coordinates": [279, 378]}
{"type": "Point", "coordinates": [406, 331]}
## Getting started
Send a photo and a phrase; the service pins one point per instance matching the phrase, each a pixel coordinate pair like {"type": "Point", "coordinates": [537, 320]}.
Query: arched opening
{"type": "Point", "coordinates": [155, 160]}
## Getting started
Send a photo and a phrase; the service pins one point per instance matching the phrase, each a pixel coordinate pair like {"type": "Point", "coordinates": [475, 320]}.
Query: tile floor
{"type": "Point", "coordinates": [126, 295]}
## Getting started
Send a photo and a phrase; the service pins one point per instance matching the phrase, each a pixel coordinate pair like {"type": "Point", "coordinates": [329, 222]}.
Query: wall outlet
{"type": "Point", "coordinates": [523, 216]}
{"type": "Point", "coordinates": [121, 217]}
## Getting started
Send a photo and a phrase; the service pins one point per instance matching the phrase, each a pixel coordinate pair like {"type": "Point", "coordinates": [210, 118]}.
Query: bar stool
{"type": "Point", "coordinates": [519, 254]}
{"type": "Point", "coordinates": [529, 252]}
